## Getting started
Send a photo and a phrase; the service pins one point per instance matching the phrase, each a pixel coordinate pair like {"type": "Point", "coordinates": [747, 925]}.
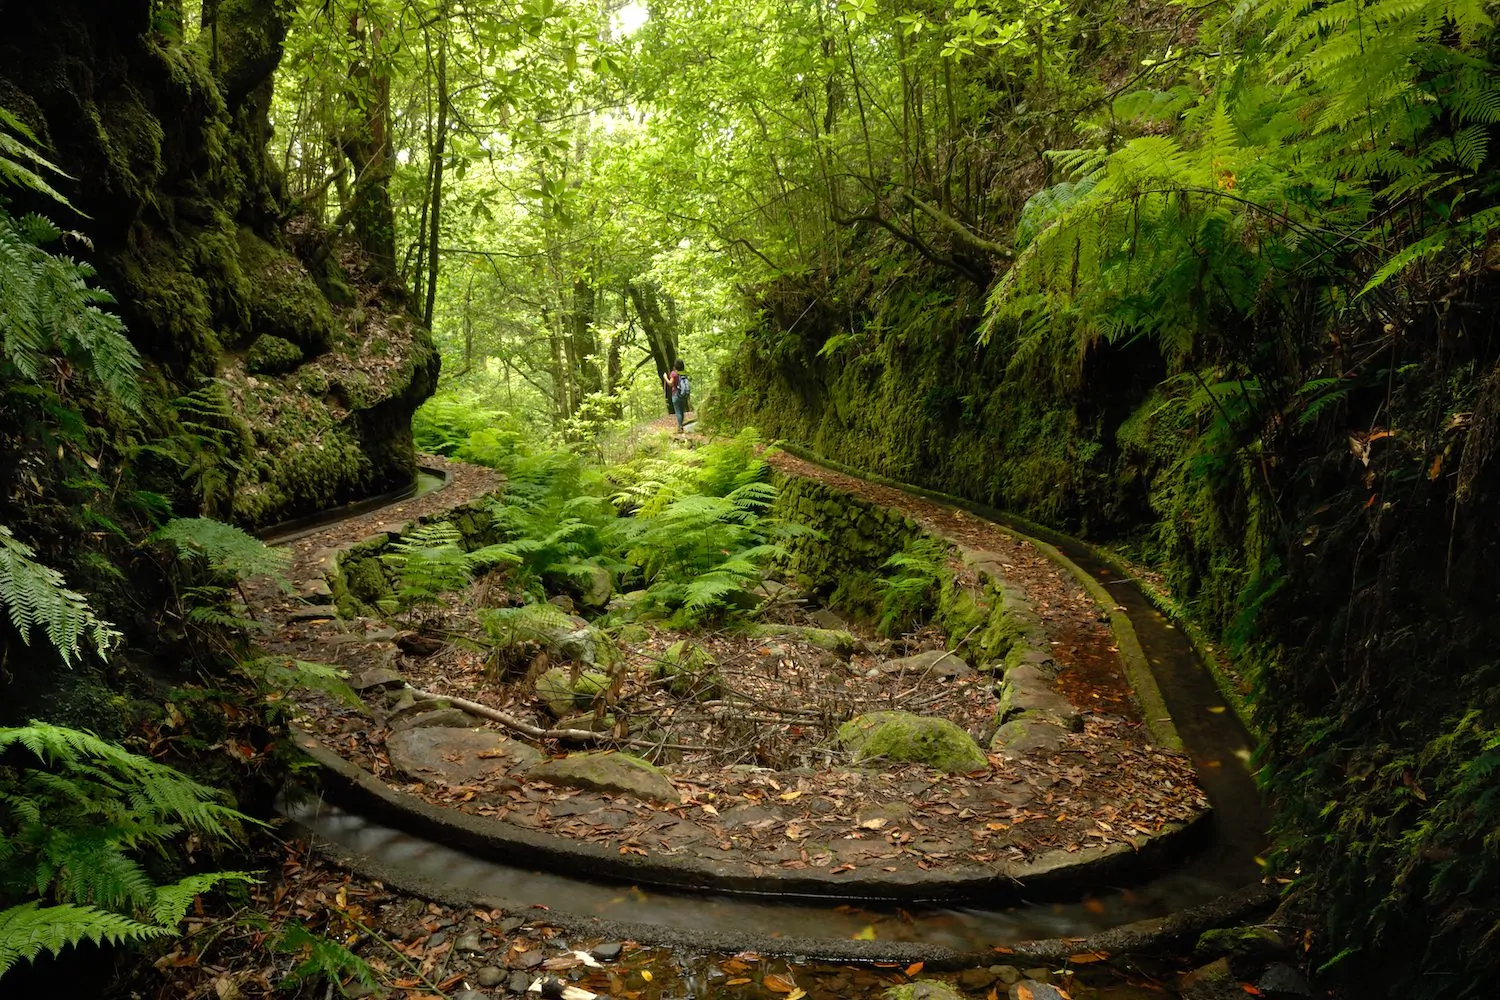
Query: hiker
{"type": "Point", "coordinates": [678, 388]}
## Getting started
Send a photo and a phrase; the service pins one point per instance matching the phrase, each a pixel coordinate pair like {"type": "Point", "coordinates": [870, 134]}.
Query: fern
{"type": "Point", "coordinates": [429, 561]}
{"type": "Point", "coordinates": [76, 827]}
{"type": "Point", "coordinates": [224, 549]}
{"type": "Point", "coordinates": [36, 597]}
{"type": "Point", "coordinates": [48, 308]}
{"type": "Point", "coordinates": [282, 674]}
{"type": "Point", "coordinates": [322, 957]}
{"type": "Point", "coordinates": [29, 929]}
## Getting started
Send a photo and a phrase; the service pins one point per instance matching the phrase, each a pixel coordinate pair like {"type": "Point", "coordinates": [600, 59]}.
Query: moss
{"type": "Point", "coordinates": [272, 355]}
{"type": "Point", "coordinates": [689, 670]}
{"type": "Point", "coordinates": [565, 695]}
{"type": "Point", "coordinates": [365, 580]}
{"type": "Point", "coordinates": [835, 641]}
{"type": "Point", "coordinates": [284, 300]}
{"type": "Point", "coordinates": [908, 738]}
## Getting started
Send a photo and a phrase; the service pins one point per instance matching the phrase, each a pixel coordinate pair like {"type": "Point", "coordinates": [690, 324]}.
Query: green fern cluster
{"type": "Point", "coordinates": [79, 820]}
{"type": "Point", "coordinates": [1284, 166]}
{"type": "Point", "coordinates": [430, 561]}
{"type": "Point", "coordinates": [911, 585]}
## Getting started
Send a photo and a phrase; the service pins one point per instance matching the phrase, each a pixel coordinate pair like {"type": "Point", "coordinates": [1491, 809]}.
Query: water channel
{"type": "Point", "coordinates": [1224, 860]}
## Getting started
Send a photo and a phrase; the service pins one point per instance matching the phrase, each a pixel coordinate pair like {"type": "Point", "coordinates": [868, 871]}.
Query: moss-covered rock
{"type": "Point", "coordinates": [689, 670]}
{"type": "Point", "coordinates": [613, 773]}
{"type": "Point", "coordinates": [565, 695]}
{"type": "Point", "coordinates": [284, 300]}
{"type": "Point", "coordinates": [271, 355]}
{"type": "Point", "coordinates": [908, 738]}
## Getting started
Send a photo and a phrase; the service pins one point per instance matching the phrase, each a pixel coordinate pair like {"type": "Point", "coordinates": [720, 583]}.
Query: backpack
{"type": "Point", "coordinates": [683, 386]}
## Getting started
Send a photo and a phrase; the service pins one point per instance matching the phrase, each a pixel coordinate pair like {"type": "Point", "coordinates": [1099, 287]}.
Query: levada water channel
{"type": "Point", "coordinates": [785, 930]}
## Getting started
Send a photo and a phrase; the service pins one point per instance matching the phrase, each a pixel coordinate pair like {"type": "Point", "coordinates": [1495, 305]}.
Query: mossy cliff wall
{"type": "Point", "coordinates": [280, 375]}
{"type": "Point", "coordinates": [1341, 544]}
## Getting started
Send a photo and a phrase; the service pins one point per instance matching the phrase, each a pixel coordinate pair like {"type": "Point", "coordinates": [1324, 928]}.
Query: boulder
{"type": "Point", "coordinates": [904, 737]}
{"type": "Point", "coordinates": [595, 589]}
{"type": "Point", "coordinates": [1026, 733]}
{"type": "Point", "coordinates": [605, 771]}
{"type": "Point", "coordinates": [565, 696]}
{"type": "Point", "coordinates": [1253, 943]}
{"type": "Point", "coordinates": [690, 671]}
{"type": "Point", "coordinates": [934, 663]}
{"type": "Point", "coordinates": [437, 718]}
{"type": "Point", "coordinates": [377, 678]}
{"type": "Point", "coordinates": [835, 641]}
{"type": "Point", "coordinates": [456, 756]}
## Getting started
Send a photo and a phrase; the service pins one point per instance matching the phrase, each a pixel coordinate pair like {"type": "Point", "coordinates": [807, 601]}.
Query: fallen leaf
{"type": "Point", "coordinates": [738, 981]}
{"type": "Point", "coordinates": [868, 934]}
{"type": "Point", "coordinates": [778, 984]}
{"type": "Point", "coordinates": [874, 824]}
{"type": "Point", "coordinates": [914, 968]}
{"type": "Point", "coordinates": [1087, 957]}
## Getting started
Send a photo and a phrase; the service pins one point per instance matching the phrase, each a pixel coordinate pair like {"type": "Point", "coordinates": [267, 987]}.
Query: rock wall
{"type": "Point", "coordinates": [281, 372]}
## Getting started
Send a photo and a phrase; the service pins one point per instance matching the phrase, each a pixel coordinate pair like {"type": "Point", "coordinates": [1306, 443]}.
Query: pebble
{"type": "Point", "coordinates": [1281, 980]}
{"type": "Point", "coordinates": [470, 995]}
{"type": "Point", "coordinates": [489, 976]}
{"type": "Point", "coordinates": [1036, 990]}
{"type": "Point", "coordinates": [977, 980]}
{"type": "Point", "coordinates": [1007, 974]}
{"type": "Point", "coordinates": [607, 952]}
{"type": "Point", "coordinates": [519, 982]}
{"type": "Point", "coordinates": [1039, 975]}
{"type": "Point", "coordinates": [437, 938]}
{"type": "Point", "coordinates": [469, 944]}
{"type": "Point", "coordinates": [528, 959]}
{"type": "Point", "coordinates": [511, 923]}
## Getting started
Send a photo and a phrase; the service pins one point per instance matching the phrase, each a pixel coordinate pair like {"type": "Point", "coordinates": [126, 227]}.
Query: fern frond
{"type": "Point", "coordinates": [169, 903]}
{"type": "Point", "coordinates": [224, 548]}
{"type": "Point", "coordinates": [29, 929]}
{"type": "Point", "coordinates": [36, 598]}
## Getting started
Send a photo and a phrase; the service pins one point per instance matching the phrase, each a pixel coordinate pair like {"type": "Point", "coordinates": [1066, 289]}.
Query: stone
{"type": "Point", "coordinates": [588, 722]}
{"type": "Point", "coordinates": [377, 677]}
{"type": "Point", "coordinates": [1037, 975]}
{"type": "Point", "coordinates": [1214, 971]}
{"type": "Point", "coordinates": [689, 671]}
{"type": "Point", "coordinates": [827, 619]}
{"type": "Point", "coordinates": [595, 590]}
{"type": "Point", "coordinates": [564, 602]}
{"type": "Point", "coordinates": [1020, 736]}
{"type": "Point", "coordinates": [934, 663]}
{"type": "Point", "coordinates": [415, 706]}
{"type": "Point", "coordinates": [1281, 980]}
{"type": "Point", "coordinates": [1241, 943]}
{"type": "Point", "coordinates": [528, 959]}
{"type": "Point", "coordinates": [489, 976]}
{"type": "Point", "coordinates": [838, 642]}
{"type": "Point", "coordinates": [603, 771]}
{"type": "Point", "coordinates": [452, 718]}
{"type": "Point", "coordinates": [1007, 974]}
{"type": "Point", "coordinates": [565, 695]}
{"type": "Point", "coordinates": [469, 944]}
{"type": "Point", "coordinates": [904, 737]}
{"type": "Point", "coordinates": [923, 989]}
{"type": "Point", "coordinates": [518, 983]}
{"type": "Point", "coordinates": [976, 980]}
{"type": "Point", "coordinates": [417, 645]}
{"type": "Point", "coordinates": [1028, 688]}
{"type": "Point", "coordinates": [512, 924]}
{"type": "Point", "coordinates": [608, 952]}
{"type": "Point", "coordinates": [470, 995]}
{"type": "Point", "coordinates": [317, 587]}
{"type": "Point", "coordinates": [1035, 989]}
{"type": "Point", "coordinates": [313, 613]}
{"type": "Point", "coordinates": [453, 755]}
